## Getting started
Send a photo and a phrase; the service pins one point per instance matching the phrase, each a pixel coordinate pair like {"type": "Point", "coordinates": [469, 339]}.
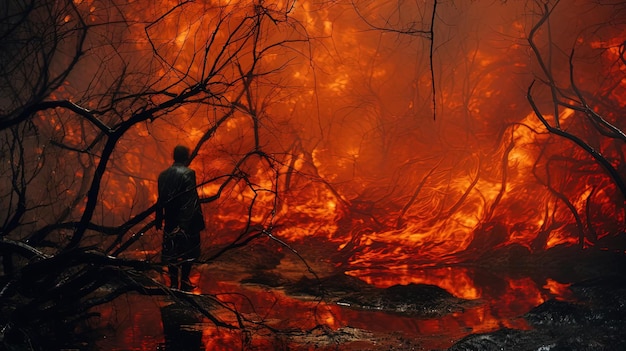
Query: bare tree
{"type": "Point", "coordinates": [96, 93]}
{"type": "Point", "coordinates": [594, 129]}
{"type": "Point", "coordinates": [90, 90]}
{"type": "Point", "coordinates": [468, 78]}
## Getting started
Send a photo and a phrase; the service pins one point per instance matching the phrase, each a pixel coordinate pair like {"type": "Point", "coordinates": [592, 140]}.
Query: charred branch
{"type": "Point", "coordinates": [604, 126]}
{"type": "Point", "coordinates": [36, 85]}
{"type": "Point", "coordinates": [605, 163]}
{"type": "Point", "coordinates": [413, 198]}
{"type": "Point", "coordinates": [412, 31]}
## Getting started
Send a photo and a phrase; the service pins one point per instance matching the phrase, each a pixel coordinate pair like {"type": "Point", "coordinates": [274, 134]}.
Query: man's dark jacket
{"type": "Point", "coordinates": [179, 206]}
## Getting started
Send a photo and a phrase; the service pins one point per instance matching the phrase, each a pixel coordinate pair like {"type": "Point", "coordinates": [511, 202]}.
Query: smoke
{"type": "Point", "coordinates": [342, 100]}
{"type": "Point", "coordinates": [427, 185]}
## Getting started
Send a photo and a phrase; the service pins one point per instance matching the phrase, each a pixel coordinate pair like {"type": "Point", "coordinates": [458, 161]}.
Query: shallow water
{"type": "Point", "coordinates": [135, 322]}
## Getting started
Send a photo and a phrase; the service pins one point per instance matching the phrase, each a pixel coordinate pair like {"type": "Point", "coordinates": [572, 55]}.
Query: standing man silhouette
{"type": "Point", "coordinates": [179, 206]}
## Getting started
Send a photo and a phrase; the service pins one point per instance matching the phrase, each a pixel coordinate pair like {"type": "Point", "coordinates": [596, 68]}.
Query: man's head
{"type": "Point", "coordinates": [181, 154]}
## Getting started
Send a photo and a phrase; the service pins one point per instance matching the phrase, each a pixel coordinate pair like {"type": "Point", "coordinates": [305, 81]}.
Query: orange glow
{"type": "Point", "coordinates": [559, 290]}
{"type": "Point", "coordinates": [318, 124]}
{"type": "Point", "coordinates": [357, 160]}
{"type": "Point", "coordinates": [455, 281]}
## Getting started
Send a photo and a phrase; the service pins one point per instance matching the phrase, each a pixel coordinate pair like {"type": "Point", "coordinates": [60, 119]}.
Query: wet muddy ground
{"type": "Point", "coordinates": [294, 309]}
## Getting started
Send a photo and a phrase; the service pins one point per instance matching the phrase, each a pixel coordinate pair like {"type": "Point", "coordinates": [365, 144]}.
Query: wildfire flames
{"type": "Point", "coordinates": [366, 167]}
{"type": "Point", "coordinates": [362, 162]}
{"type": "Point", "coordinates": [397, 137]}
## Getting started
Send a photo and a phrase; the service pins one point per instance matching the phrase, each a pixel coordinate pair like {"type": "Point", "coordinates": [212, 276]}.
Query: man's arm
{"type": "Point", "coordinates": [158, 222]}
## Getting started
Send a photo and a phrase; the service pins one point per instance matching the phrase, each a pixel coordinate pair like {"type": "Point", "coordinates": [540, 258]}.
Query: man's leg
{"type": "Point", "coordinates": [173, 273]}
{"type": "Point", "coordinates": [185, 283]}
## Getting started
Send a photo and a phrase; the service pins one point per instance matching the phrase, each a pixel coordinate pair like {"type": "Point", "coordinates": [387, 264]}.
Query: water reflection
{"type": "Point", "coordinates": [503, 301]}
{"type": "Point", "coordinates": [181, 328]}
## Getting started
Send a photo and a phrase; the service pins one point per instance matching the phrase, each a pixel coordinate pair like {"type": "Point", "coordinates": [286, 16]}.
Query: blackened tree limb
{"type": "Point", "coordinates": [430, 58]}
{"type": "Point", "coordinates": [606, 164]}
{"type": "Point", "coordinates": [8, 246]}
{"type": "Point", "coordinates": [77, 109]}
{"type": "Point", "coordinates": [602, 125]}
{"type": "Point", "coordinates": [18, 184]}
{"type": "Point", "coordinates": [555, 127]}
{"type": "Point", "coordinates": [45, 84]}
{"type": "Point", "coordinates": [413, 198]}
{"type": "Point", "coordinates": [559, 195]}
{"type": "Point", "coordinates": [425, 33]}
{"type": "Point", "coordinates": [503, 180]}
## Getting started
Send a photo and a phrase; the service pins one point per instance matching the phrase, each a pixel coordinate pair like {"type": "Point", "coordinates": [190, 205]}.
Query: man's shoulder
{"type": "Point", "coordinates": [176, 169]}
{"type": "Point", "coordinates": [165, 172]}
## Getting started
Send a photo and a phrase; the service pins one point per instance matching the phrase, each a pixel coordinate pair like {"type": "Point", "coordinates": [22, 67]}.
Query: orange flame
{"type": "Point", "coordinates": [357, 161]}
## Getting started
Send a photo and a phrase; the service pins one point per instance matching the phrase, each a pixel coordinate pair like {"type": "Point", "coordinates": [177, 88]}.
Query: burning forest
{"type": "Point", "coordinates": [405, 175]}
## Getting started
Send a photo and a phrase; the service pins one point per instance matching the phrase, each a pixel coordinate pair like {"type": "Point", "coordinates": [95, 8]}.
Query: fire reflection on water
{"type": "Point", "coordinates": [501, 303]}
